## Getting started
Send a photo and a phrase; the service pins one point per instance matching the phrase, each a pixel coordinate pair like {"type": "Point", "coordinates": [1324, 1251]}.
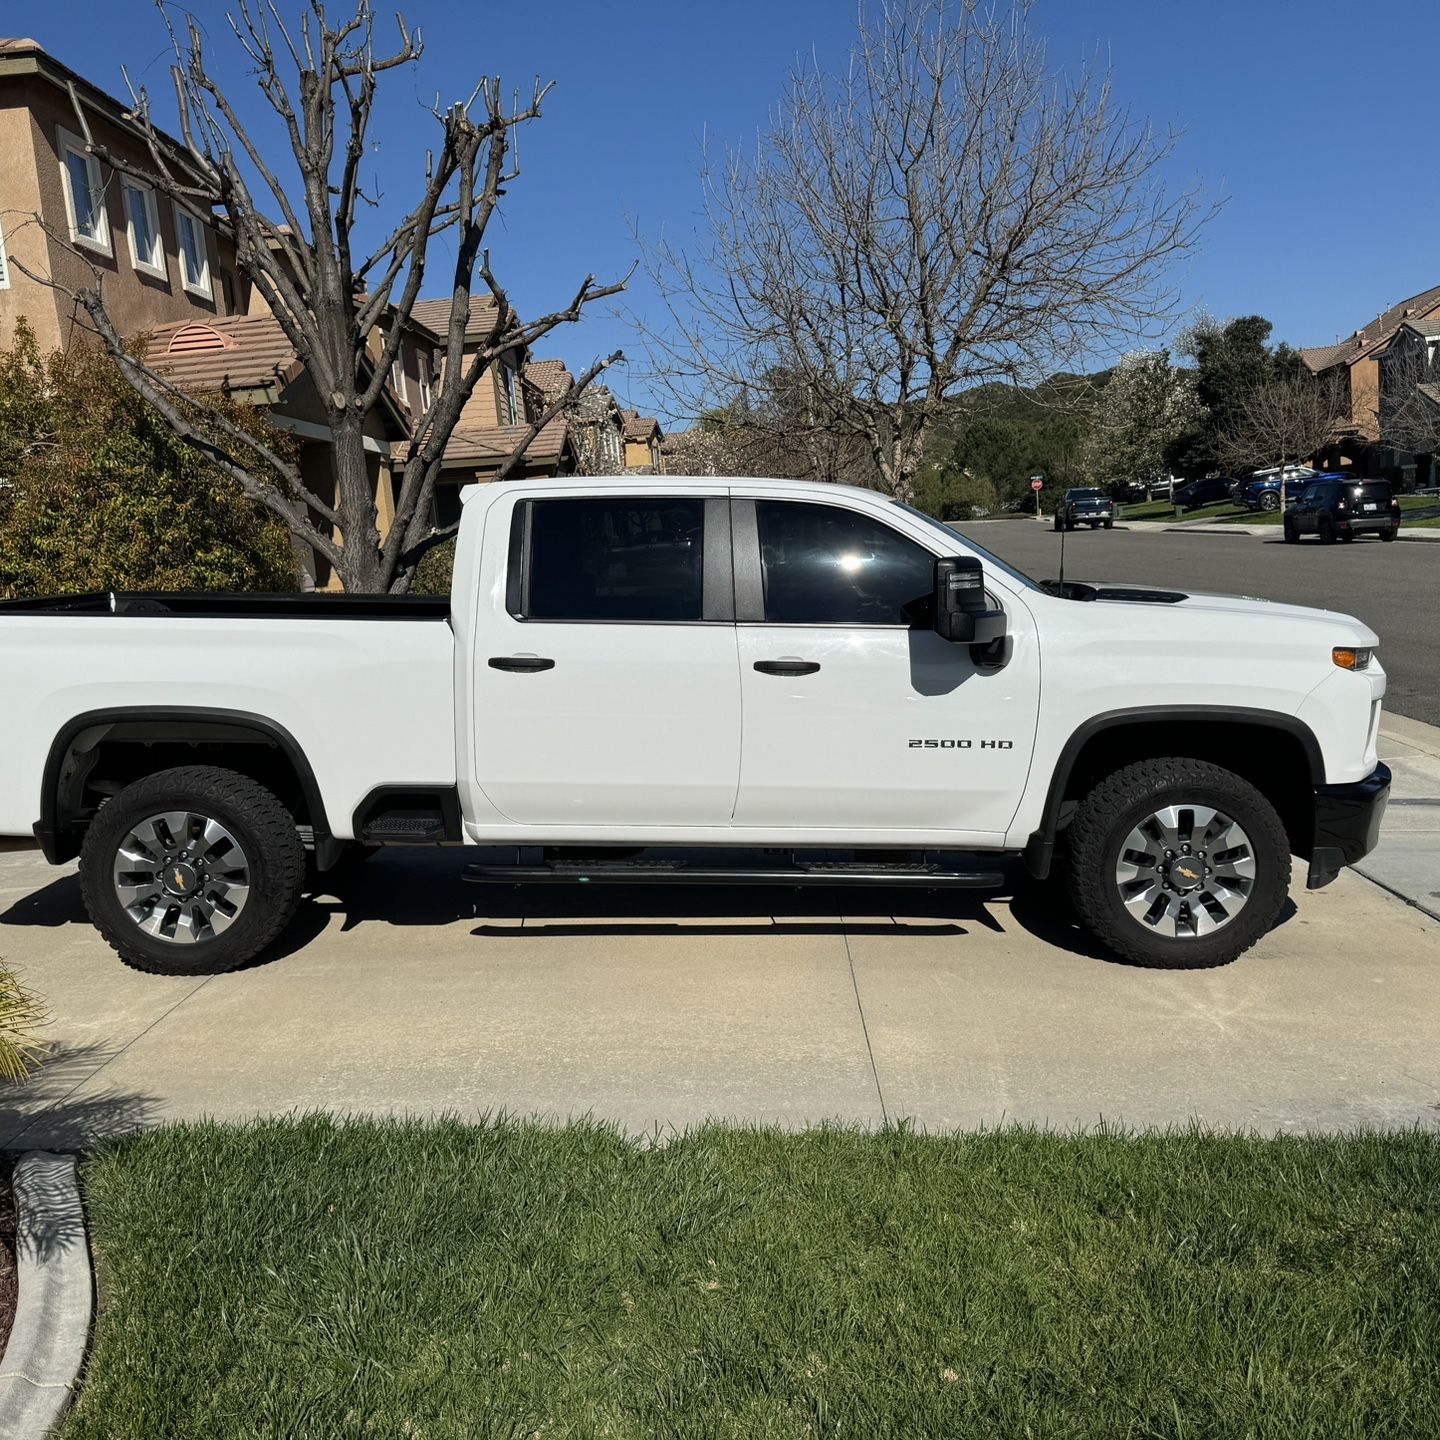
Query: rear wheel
{"type": "Point", "coordinates": [1326, 528]}
{"type": "Point", "coordinates": [1388, 535]}
{"type": "Point", "coordinates": [1177, 864]}
{"type": "Point", "coordinates": [1109, 524]}
{"type": "Point", "coordinates": [192, 871]}
{"type": "Point", "coordinates": [1292, 535]}
{"type": "Point", "coordinates": [1269, 500]}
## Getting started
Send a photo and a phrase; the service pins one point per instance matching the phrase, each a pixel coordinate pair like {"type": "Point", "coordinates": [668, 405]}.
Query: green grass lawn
{"type": "Point", "coordinates": [316, 1279]}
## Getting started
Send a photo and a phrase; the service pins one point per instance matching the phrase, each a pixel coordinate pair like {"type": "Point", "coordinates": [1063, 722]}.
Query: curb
{"type": "Point", "coordinates": [52, 1314]}
{"type": "Point", "coordinates": [1166, 527]}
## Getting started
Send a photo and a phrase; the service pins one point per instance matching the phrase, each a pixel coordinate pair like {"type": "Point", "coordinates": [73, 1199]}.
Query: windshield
{"type": "Point", "coordinates": [950, 533]}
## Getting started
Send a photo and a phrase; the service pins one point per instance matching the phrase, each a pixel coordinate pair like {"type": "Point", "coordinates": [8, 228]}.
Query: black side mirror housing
{"type": "Point", "coordinates": [962, 613]}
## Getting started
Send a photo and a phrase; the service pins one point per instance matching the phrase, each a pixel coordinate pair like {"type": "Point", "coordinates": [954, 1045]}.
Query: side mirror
{"type": "Point", "coordinates": [962, 613]}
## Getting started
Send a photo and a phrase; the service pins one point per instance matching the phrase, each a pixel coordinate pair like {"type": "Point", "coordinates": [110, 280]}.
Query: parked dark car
{"type": "Point", "coordinates": [1192, 494]}
{"type": "Point", "coordinates": [1085, 507]}
{"type": "Point", "coordinates": [1342, 508]}
{"type": "Point", "coordinates": [1262, 490]}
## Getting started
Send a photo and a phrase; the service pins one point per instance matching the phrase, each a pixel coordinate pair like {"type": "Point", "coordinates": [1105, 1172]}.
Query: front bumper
{"type": "Point", "coordinates": [1347, 824]}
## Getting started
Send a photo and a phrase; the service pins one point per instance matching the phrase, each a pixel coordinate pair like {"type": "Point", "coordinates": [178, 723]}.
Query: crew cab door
{"type": "Point", "coordinates": [858, 718]}
{"type": "Point", "coordinates": [605, 684]}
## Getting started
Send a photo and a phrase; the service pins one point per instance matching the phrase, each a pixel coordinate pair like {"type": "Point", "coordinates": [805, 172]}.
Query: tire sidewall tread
{"type": "Point", "coordinates": [1116, 804]}
{"type": "Point", "coordinates": [273, 850]}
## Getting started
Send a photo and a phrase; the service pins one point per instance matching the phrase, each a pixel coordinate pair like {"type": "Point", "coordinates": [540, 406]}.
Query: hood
{"type": "Point", "coordinates": [1232, 605]}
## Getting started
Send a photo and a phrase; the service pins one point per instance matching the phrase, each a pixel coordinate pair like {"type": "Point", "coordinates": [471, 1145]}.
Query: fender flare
{"type": "Point", "coordinates": [1039, 849]}
{"type": "Point", "coordinates": [56, 831]}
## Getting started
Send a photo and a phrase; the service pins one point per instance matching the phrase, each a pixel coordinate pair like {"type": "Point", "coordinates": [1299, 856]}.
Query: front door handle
{"type": "Point", "coordinates": [787, 666]}
{"type": "Point", "coordinates": [524, 663]}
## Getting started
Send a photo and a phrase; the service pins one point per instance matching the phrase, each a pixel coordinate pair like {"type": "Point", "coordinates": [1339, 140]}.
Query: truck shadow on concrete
{"type": "Point", "coordinates": [421, 888]}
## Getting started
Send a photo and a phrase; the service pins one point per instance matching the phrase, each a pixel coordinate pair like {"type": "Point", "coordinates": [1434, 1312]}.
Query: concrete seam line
{"type": "Point", "coordinates": [52, 1313]}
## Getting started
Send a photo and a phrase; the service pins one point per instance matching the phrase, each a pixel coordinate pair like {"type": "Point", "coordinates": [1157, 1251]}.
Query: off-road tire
{"type": "Point", "coordinates": [1119, 802]}
{"type": "Point", "coordinates": [266, 832]}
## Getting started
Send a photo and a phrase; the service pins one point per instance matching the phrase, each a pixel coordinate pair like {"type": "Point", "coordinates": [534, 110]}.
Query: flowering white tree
{"type": "Point", "coordinates": [1146, 405]}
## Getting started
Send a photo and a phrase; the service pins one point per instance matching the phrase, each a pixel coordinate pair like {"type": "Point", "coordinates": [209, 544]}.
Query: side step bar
{"type": "Point", "coordinates": [665, 873]}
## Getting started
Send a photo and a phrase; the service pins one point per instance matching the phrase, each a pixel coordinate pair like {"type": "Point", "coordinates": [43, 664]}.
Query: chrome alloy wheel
{"type": "Point", "coordinates": [1185, 871]}
{"type": "Point", "coordinates": [181, 876]}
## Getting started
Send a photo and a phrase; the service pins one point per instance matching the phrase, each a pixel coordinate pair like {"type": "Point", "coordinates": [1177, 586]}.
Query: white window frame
{"type": "Point", "coordinates": [512, 393]}
{"type": "Point", "coordinates": [426, 394]}
{"type": "Point", "coordinates": [205, 286]}
{"type": "Point", "coordinates": [4, 262]}
{"type": "Point", "coordinates": [71, 144]}
{"type": "Point", "coordinates": [142, 263]}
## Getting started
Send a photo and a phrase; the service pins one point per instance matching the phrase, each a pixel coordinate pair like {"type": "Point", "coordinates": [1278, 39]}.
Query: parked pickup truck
{"type": "Point", "coordinates": [667, 678]}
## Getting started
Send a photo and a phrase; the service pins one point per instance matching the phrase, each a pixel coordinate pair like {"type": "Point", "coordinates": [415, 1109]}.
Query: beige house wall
{"type": "Point", "coordinates": [33, 112]}
{"type": "Point", "coordinates": [1365, 397]}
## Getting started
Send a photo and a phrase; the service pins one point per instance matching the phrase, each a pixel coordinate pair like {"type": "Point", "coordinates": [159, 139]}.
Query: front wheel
{"type": "Point", "coordinates": [1177, 864]}
{"type": "Point", "coordinates": [1269, 501]}
{"type": "Point", "coordinates": [192, 871]}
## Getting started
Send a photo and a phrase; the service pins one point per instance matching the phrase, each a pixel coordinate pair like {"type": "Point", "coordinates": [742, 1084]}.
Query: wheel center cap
{"type": "Point", "coordinates": [1186, 873]}
{"type": "Point", "coordinates": [181, 879]}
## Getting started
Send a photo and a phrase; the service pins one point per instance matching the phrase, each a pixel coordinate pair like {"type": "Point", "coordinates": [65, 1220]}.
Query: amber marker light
{"type": "Point", "coordinates": [1351, 659]}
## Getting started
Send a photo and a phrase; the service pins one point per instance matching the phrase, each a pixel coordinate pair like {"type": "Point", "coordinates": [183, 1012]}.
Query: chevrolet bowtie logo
{"type": "Point", "coordinates": [1188, 874]}
{"type": "Point", "coordinates": [179, 879]}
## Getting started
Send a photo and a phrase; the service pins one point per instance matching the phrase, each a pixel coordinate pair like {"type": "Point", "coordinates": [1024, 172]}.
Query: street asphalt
{"type": "Point", "coordinates": [1394, 589]}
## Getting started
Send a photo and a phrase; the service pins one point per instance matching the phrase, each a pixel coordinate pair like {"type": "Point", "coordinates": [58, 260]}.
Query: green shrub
{"type": "Point", "coordinates": [433, 574]}
{"type": "Point", "coordinates": [97, 493]}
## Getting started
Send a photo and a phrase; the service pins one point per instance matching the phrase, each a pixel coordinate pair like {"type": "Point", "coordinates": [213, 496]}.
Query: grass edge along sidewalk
{"type": "Point", "coordinates": [324, 1278]}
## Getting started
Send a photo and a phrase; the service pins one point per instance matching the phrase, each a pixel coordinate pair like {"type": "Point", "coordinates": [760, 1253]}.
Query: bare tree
{"type": "Point", "coordinates": [1283, 421]}
{"type": "Point", "coordinates": [328, 291]}
{"type": "Point", "coordinates": [1410, 396]}
{"type": "Point", "coordinates": [948, 212]}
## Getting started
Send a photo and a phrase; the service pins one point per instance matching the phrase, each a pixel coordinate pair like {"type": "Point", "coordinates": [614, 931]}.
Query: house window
{"type": "Point", "coordinates": [397, 375]}
{"type": "Point", "coordinates": [4, 263]}
{"type": "Point", "coordinates": [424, 387]}
{"type": "Point", "coordinates": [194, 253]}
{"type": "Point", "coordinates": [84, 194]}
{"type": "Point", "coordinates": [142, 225]}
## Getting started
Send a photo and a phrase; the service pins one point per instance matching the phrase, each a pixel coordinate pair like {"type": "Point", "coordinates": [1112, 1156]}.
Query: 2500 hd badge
{"type": "Point", "coordinates": [961, 744]}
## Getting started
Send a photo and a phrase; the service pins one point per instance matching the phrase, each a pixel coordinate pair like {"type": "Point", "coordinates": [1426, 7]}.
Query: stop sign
{"type": "Point", "coordinates": [1036, 484]}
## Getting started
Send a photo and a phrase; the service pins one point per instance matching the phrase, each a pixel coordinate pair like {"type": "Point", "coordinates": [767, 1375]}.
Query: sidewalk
{"type": "Point", "coordinates": [1407, 860]}
{"type": "Point", "coordinates": [1208, 527]}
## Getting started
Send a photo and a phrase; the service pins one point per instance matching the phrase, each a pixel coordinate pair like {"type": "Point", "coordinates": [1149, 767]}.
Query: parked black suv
{"type": "Point", "coordinates": [1342, 509]}
{"type": "Point", "coordinates": [1085, 507]}
{"type": "Point", "coordinates": [1192, 494]}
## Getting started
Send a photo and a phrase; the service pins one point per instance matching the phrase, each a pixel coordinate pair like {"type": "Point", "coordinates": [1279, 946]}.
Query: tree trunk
{"type": "Point", "coordinates": [361, 571]}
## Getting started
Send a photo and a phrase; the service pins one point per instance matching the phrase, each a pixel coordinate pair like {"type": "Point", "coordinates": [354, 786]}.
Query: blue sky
{"type": "Point", "coordinates": [1307, 117]}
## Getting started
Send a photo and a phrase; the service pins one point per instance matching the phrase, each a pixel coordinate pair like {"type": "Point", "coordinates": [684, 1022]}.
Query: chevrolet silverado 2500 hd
{"type": "Point", "coordinates": [712, 667]}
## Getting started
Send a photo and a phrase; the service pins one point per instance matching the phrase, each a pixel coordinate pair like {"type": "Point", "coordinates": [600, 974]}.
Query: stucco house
{"type": "Point", "coordinates": [1353, 364]}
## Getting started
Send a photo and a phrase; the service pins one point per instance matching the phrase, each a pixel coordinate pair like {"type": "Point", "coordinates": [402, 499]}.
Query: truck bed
{"type": "Point", "coordinates": [234, 606]}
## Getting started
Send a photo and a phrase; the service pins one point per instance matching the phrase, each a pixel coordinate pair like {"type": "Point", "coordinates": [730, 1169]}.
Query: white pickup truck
{"type": "Point", "coordinates": [698, 680]}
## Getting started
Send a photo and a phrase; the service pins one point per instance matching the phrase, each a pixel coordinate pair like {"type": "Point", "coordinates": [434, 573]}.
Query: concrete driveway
{"type": "Point", "coordinates": [410, 991]}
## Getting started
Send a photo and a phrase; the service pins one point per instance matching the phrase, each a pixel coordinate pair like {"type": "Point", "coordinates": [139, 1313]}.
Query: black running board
{"type": "Point", "coordinates": [652, 873]}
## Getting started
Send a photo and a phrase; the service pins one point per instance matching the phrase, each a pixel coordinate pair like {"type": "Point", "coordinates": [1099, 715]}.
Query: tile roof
{"type": "Point", "coordinates": [550, 377]}
{"type": "Point", "coordinates": [1368, 339]}
{"type": "Point", "coordinates": [640, 427]}
{"type": "Point", "coordinates": [1430, 392]}
{"type": "Point", "coordinates": [233, 352]}
{"type": "Point", "coordinates": [491, 445]}
{"type": "Point", "coordinates": [435, 315]}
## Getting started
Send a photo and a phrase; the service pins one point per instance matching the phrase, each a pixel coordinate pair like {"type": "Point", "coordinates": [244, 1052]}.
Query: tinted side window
{"type": "Point", "coordinates": [616, 559]}
{"type": "Point", "coordinates": [823, 565]}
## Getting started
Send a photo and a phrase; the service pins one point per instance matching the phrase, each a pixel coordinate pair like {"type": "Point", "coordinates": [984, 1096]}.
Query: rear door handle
{"type": "Point", "coordinates": [523, 663]}
{"type": "Point", "coordinates": [788, 666]}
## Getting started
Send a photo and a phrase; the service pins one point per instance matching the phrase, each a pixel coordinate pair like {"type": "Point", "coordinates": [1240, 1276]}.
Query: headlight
{"type": "Point", "coordinates": [1349, 658]}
